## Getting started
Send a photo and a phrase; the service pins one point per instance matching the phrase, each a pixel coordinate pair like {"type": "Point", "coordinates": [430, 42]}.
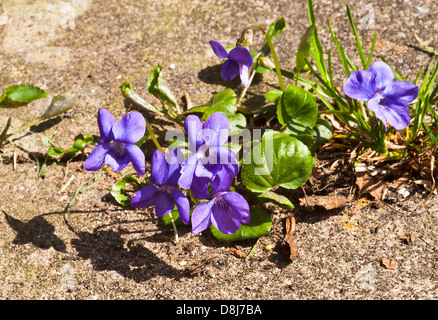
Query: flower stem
{"type": "Point", "coordinates": [25, 127]}
{"type": "Point", "coordinates": [3, 135]}
{"type": "Point", "coordinates": [332, 112]}
{"type": "Point", "coordinates": [174, 227]}
{"type": "Point", "coordinates": [153, 137]}
{"type": "Point", "coordinates": [277, 65]}
{"type": "Point", "coordinates": [272, 49]}
{"type": "Point", "coordinates": [242, 94]}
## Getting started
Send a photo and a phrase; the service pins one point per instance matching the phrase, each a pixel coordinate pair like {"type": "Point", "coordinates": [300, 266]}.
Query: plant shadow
{"type": "Point", "coordinates": [212, 75]}
{"type": "Point", "coordinates": [106, 250]}
{"type": "Point", "coordinates": [37, 231]}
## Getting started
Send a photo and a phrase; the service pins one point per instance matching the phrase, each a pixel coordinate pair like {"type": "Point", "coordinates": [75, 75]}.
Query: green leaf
{"type": "Point", "coordinates": [356, 35]}
{"type": "Point", "coordinates": [278, 199]}
{"type": "Point", "coordinates": [158, 88]}
{"type": "Point", "coordinates": [259, 225]}
{"type": "Point", "coordinates": [273, 95]}
{"type": "Point", "coordinates": [79, 144]}
{"type": "Point", "coordinates": [279, 160]}
{"type": "Point", "coordinates": [20, 95]}
{"type": "Point", "coordinates": [274, 30]}
{"type": "Point", "coordinates": [304, 49]}
{"type": "Point", "coordinates": [118, 190]}
{"type": "Point", "coordinates": [225, 108]}
{"type": "Point", "coordinates": [224, 101]}
{"type": "Point", "coordinates": [88, 138]}
{"type": "Point", "coordinates": [134, 98]}
{"type": "Point", "coordinates": [167, 222]}
{"type": "Point", "coordinates": [317, 53]}
{"type": "Point", "coordinates": [225, 96]}
{"type": "Point", "coordinates": [237, 124]}
{"type": "Point", "coordinates": [297, 109]}
{"type": "Point", "coordinates": [194, 110]}
{"type": "Point", "coordinates": [140, 142]}
{"type": "Point", "coordinates": [344, 59]}
{"type": "Point", "coordinates": [47, 142]}
{"type": "Point", "coordinates": [307, 139]}
{"type": "Point", "coordinates": [73, 150]}
{"type": "Point", "coordinates": [55, 152]}
{"type": "Point", "coordinates": [60, 104]}
{"type": "Point", "coordinates": [322, 131]}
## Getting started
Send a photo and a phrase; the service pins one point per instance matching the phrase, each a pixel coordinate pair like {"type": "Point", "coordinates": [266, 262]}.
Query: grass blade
{"type": "Point", "coordinates": [358, 43]}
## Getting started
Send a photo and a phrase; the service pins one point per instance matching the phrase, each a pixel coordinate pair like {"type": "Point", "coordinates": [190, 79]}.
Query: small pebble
{"type": "Point", "coordinates": [404, 192]}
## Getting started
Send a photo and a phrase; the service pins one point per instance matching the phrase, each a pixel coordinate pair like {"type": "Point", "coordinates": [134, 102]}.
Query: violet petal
{"type": "Point", "coordinates": [159, 168]}
{"type": "Point", "coordinates": [95, 160]}
{"type": "Point", "coordinates": [117, 157]}
{"type": "Point", "coordinates": [241, 55]}
{"type": "Point", "coordinates": [383, 75]}
{"type": "Point", "coordinates": [188, 171]}
{"type": "Point", "coordinates": [201, 216]}
{"type": "Point", "coordinates": [215, 132]}
{"type": "Point", "coordinates": [145, 197]}
{"type": "Point", "coordinates": [137, 158]}
{"type": "Point", "coordinates": [218, 49]}
{"type": "Point", "coordinates": [360, 86]}
{"type": "Point", "coordinates": [230, 69]}
{"type": "Point", "coordinates": [130, 129]}
{"type": "Point", "coordinates": [183, 205]}
{"type": "Point", "coordinates": [105, 120]}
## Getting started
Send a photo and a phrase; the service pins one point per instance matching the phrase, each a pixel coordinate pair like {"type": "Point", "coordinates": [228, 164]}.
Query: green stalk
{"type": "Point", "coordinates": [25, 127]}
{"type": "Point", "coordinates": [3, 135]}
{"type": "Point", "coordinates": [272, 49]}
{"type": "Point", "coordinates": [153, 137]}
{"type": "Point", "coordinates": [174, 227]}
{"type": "Point", "coordinates": [356, 35]}
{"type": "Point", "coordinates": [242, 94]}
{"type": "Point", "coordinates": [333, 112]}
{"type": "Point", "coordinates": [277, 65]}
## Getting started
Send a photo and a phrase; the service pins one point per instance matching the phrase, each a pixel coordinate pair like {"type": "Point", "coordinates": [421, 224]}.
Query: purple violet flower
{"type": "Point", "coordinates": [226, 211]}
{"type": "Point", "coordinates": [239, 60]}
{"type": "Point", "coordinates": [207, 157]}
{"type": "Point", "coordinates": [163, 192]}
{"type": "Point", "coordinates": [118, 138]}
{"type": "Point", "coordinates": [387, 98]}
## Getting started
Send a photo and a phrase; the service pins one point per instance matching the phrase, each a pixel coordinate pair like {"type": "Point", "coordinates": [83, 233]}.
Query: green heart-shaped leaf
{"type": "Point", "coordinates": [55, 152]}
{"type": "Point", "coordinates": [118, 190]}
{"type": "Point", "coordinates": [297, 109]}
{"type": "Point", "coordinates": [278, 199]}
{"type": "Point", "coordinates": [259, 225]}
{"type": "Point", "coordinates": [20, 95]}
{"type": "Point", "coordinates": [224, 101]}
{"type": "Point", "coordinates": [322, 131]}
{"type": "Point", "coordinates": [279, 160]}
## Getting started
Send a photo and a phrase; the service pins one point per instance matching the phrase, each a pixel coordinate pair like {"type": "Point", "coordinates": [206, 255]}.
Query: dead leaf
{"type": "Point", "coordinates": [407, 238]}
{"type": "Point", "coordinates": [237, 253]}
{"type": "Point", "coordinates": [290, 224]}
{"type": "Point", "coordinates": [388, 263]}
{"type": "Point", "coordinates": [371, 185]}
{"type": "Point", "coordinates": [327, 202]}
{"type": "Point", "coordinates": [290, 239]}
